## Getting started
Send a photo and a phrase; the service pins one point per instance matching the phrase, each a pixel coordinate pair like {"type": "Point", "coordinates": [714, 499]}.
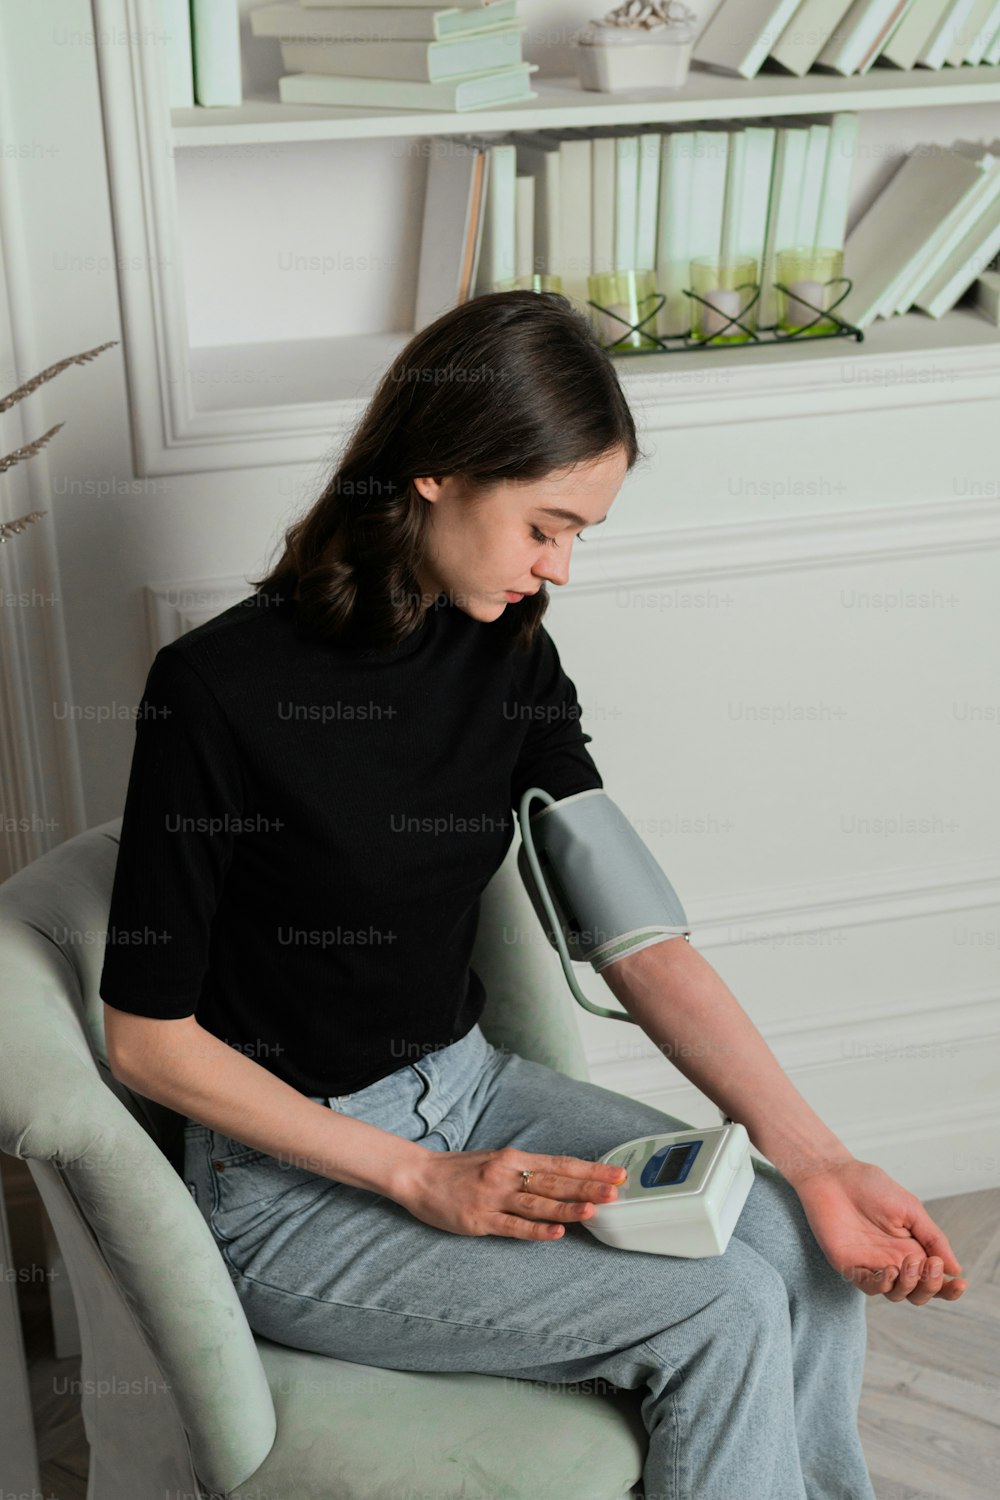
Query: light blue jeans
{"type": "Point", "coordinates": [751, 1361]}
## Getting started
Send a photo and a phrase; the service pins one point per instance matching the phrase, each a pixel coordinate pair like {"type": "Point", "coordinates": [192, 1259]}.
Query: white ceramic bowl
{"type": "Point", "coordinates": [616, 58]}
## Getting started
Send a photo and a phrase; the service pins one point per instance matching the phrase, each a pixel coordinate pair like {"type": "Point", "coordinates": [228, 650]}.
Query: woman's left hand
{"type": "Point", "coordinates": [878, 1235]}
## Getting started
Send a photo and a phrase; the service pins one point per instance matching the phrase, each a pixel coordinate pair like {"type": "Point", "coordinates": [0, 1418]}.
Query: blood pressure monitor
{"type": "Point", "coordinates": [683, 1195]}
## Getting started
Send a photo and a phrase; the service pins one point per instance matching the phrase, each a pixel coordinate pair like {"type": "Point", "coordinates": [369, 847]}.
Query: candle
{"type": "Point", "coordinates": [798, 313]}
{"type": "Point", "coordinates": [724, 306]}
{"type": "Point", "coordinates": [612, 330]}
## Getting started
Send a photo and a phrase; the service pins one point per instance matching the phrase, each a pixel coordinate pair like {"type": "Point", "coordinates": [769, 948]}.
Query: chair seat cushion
{"type": "Point", "coordinates": [348, 1431]}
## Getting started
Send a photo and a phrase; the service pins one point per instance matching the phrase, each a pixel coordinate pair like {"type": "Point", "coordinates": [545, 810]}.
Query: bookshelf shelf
{"type": "Point", "coordinates": [562, 102]}
{"type": "Point", "coordinates": [313, 385]}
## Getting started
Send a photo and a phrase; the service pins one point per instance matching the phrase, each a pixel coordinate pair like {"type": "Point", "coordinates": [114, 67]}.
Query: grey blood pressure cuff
{"type": "Point", "coordinates": [609, 893]}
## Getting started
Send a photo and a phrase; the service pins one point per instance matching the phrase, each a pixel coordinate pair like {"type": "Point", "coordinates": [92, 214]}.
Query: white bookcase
{"type": "Point", "coordinates": [213, 393]}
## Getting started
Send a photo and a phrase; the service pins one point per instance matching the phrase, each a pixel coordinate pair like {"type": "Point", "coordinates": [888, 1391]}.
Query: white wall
{"type": "Point", "coordinates": [866, 954]}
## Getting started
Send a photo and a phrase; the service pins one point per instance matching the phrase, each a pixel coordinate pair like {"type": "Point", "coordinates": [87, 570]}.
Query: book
{"type": "Point", "coordinates": [914, 28]}
{"type": "Point", "coordinates": [626, 201]}
{"type": "Point", "coordinates": [175, 19]}
{"type": "Point", "coordinates": [802, 40]}
{"type": "Point", "coordinates": [575, 210]}
{"type": "Point", "coordinates": [817, 147]}
{"type": "Point", "coordinates": [540, 161]}
{"type": "Point", "coordinates": [948, 231]}
{"type": "Point", "coordinates": [939, 252]}
{"type": "Point", "coordinates": [215, 47]}
{"type": "Point", "coordinates": [672, 259]}
{"type": "Point", "coordinates": [524, 226]}
{"type": "Point", "coordinates": [475, 92]}
{"type": "Point", "coordinates": [938, 45]}
{"type": "Point", "coordinates": [376, 23]}
{"type": "Point", "coordinates": [969, 258]}
{"type": "Point", "coordinates": [497, 245]}
{"type": "Point", "coordinates": [888, 238]}
{"type": "Point", "coordinates": [451, 230]}
{"type": "Point", "coordinates": [835, 198]}
{"type": "Point", "coordinates": [424, 62]}
{"type": "Point", "coordinates": [980, 43]}
{"type": "Point", "coordinates": [647, 199]}
{"type": "Point", "coordinates": [992, 54]}
{"type": "Point", "coordinates": [740, 35]}
{"type": "Point", "coordinates": [856, 41]}
{"type": "Point", "coordinates": [602, 170]}
{"type": "Point", "coordinates": [986, 296]}
{"type": "Point", "coordinates": [748, 193]}
{"type": "Point", "coordinates": [968, 33]}
{"type": "Point", "coordinates": [790, 149]}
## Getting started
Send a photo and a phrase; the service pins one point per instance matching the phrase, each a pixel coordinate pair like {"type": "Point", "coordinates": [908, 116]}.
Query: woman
{"type": "Point", "coordinates": [323, 784]}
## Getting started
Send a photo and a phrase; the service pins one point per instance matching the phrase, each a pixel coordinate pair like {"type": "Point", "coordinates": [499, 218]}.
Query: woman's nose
{"type": "Point", "coordinates": [554, 569]}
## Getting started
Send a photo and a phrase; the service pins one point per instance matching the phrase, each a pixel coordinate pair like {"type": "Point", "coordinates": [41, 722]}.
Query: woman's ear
{"type": "Point", "coordinates": [429, 488]}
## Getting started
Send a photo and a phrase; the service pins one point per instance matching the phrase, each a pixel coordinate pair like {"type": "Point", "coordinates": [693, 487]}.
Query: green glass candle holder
{"type": "Point", "coordinates": [723, 308]}
{"type": "Point", "coordinates": [809, 281]}
{"type": "Point", "coordinates": [627, 304]}
{"type": "Point", "coordinates": [535, 281]}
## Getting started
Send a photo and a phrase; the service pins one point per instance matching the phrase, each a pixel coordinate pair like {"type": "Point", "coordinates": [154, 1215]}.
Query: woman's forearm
{"type": "Point", "coordinates": [695, 1020]}
{"type": "Point", "coordinates": [181, 1065]}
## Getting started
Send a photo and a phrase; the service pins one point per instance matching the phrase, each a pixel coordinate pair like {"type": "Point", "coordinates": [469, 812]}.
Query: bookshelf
{"type": "Point", "coordinates": [202, 403]}
{"type": "Point", "coordinates": [561, 102]}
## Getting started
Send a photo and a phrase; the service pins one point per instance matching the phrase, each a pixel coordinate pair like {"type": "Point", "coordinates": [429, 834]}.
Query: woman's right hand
{"type": "Point", "coordinates": [481, 1192]}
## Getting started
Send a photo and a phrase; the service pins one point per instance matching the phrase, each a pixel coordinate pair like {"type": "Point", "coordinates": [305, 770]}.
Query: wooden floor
{"type": "Point", "coordinates": [930, 1412]}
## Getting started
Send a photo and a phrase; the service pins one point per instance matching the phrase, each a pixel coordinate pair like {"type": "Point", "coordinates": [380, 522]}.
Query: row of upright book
{"type": "Point", "coordinates": [741, 37]}
{"type": "Point", "coordinates": [575, 203]}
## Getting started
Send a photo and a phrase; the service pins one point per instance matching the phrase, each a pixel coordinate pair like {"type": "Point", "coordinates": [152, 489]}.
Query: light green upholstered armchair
{"type": "Point", "coordinates": [180, 1397]}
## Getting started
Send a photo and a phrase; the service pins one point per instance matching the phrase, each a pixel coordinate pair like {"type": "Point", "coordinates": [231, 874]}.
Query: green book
{"type": "Point", "coordinates": [475, 92]}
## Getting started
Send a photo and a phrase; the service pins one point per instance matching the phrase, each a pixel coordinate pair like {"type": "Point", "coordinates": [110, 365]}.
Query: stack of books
{"type": "Point", "coordinates": [404, 55]}
{"type": "Point", "coordinates": [572, 203]}
{"type": "Point", "coordinates": [847, 36]}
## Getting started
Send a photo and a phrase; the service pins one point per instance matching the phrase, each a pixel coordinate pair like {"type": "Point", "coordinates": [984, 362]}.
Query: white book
{"type": "Point", "coordinates": [835, 199]}
{"type": "Point", "coordinates": [423, 62]}
{"type": "Point", "coordinates": [497, 250]}
{"type": "Point", "coordinates": [939, 250]}
{"type": "Point", "coordinates": [937, 47]}
{"type": "Point", "coordinates": [602, 167]}
{"type": "Point", "coordinates": [947, 232]}
{"type": "Point", "coordinates": [812, 183]}
{"type": "Point", "coordinates": [802, 40]}
{"type": "Point", "coordinates": [970, 257]}
{"type": "Point", "coordinates": [914, 28]}
{"type": "Point", "coordinates": [968, 35]}
{"type": "Point", "coordinates": [739, 37]}
{"type": "Point", "coordinates": [875, 52]}
{"type": "Point", "coordinates": [677, 163]}
{"type": "Point", "coordinates": [541, 162]}
{"type": "Point", "coordinates": [857, 39]}
{"type": "Point", "coordinates": [575, 206]}
{"type": "Point", "coordinates": [215, 45]}
{"type": "Point", "coordinates": [524, 226]}
{"type": "Point", "coordinates": [626, 200]}
{"type": "Point", "coordinates": [744, 227]}
{"type": "Point", "coordinates": [648, 195]}
{"type": "Point", "coordinates": [987, 32]}
{"type": "Point", "coordinates": [992, 54]}
{"type": "Point", "coordinates": [706, 206]}
{"type": "Point", "coordinates": [986, 296]}
{"type": "Point", "coordinates": [790, 150]}
{"type": "Point", "coordinates": [175, 20]}
{"type": "Point", "coordinates": [362, 23]}
{"type": "Point", "coordinates": [451, 230]}
{"type": "Point", "coordinates": [890, 235]}
{"type": "Point", "coordinates": [474, 91]}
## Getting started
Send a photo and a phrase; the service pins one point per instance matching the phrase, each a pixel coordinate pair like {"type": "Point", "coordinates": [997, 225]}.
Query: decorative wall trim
{"type": "Point", "coordinates": [668, 557]}
{"type": "Point", "coordinates": [952, 361]}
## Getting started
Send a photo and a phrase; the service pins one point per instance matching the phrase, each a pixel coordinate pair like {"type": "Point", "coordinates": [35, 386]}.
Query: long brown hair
{"type": "Point", "coordinates": [508, 386]}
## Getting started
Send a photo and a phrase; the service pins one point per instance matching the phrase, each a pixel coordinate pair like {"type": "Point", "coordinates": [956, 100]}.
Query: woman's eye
{"type": "Point", "coordinates": [540, 536]}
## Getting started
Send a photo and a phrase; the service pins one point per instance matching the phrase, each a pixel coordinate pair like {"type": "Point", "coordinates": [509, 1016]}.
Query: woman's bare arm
{"type": "Point", "coordinates": [180, 1064]}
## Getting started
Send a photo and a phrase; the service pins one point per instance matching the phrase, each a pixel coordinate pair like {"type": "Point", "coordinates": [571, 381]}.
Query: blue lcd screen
{"type": "Point", "coordinates": [671, 1164]}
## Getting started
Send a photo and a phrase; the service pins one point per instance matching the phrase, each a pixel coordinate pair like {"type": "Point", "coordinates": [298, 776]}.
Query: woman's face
{"type": "Point", "coordinates": [481, 552]}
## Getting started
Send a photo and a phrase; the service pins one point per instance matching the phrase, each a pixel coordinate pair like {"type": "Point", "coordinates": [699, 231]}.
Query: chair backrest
{"type": "Point", "coordinates": [135, 1245]}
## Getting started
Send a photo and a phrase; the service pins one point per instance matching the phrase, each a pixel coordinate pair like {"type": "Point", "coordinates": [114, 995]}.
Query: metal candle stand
{"type": "Point", "coordinates": [679, 343]}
